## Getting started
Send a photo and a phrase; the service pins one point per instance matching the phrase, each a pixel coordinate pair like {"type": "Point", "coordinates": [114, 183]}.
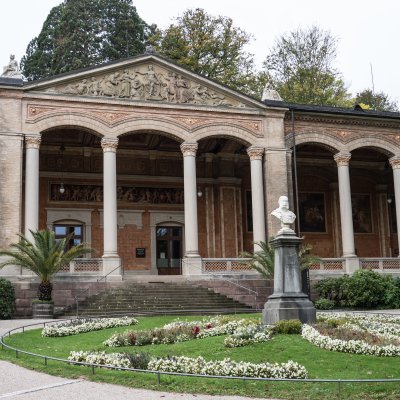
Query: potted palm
{"type": "Point", "coordinates": [44, 256]}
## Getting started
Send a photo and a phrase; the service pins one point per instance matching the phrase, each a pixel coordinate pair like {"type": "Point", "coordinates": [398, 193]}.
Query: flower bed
{"type": "Point", "coordinates": [351, 346]}
{"type": "Point", "coordinates": [86, 325]}
{"type": "Point", "coordinates": [199, 365]}
{"type": "Point", "coordinates": [179, 331]}
{"type": "Point", "coordinates": [244, 336]}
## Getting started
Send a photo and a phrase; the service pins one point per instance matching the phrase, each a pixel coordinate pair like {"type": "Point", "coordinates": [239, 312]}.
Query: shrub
{"type": "Point", "coordinates": [290, 327]}
{"type": "Point", "coordinates": [7, 299]}
{"type": "Point", "coordinates": [367, 289]}
{"type": "Point", "coordinates": [334, 289]}
{"type": "Point", "coordinates": [324, 304]}
{"type": "Point", "coordinates": [138, 360]}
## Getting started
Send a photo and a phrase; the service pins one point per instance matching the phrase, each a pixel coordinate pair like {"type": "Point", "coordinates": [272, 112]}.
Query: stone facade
{"type": "Point", "coordinates": [144, 149]}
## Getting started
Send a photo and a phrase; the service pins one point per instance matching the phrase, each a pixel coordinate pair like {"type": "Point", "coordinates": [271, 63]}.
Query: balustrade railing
{"type": "Point", "coordinates": [380, 263]}
{"type": "Point", "coordinates": [229, 265]}
{"type": "Point", "coordinates": [83, 265]}
{"type": "Point", "coordinates": [329, 264]}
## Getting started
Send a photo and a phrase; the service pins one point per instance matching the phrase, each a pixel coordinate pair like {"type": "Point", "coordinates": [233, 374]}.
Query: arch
{"type": "Point", "coordinates": [225, 131]}
{"type": "Point", "coordinates": [324, 140]}
{"type": "Point", "coordinates": [158, 126]}
{"type": "Point", "coordinates": [378, 144]}
{"type": "Point", "coordinates": [70, 121]}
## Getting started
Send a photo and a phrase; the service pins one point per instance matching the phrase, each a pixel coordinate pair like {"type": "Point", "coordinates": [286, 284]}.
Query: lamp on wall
{"type": "Point", "coordinates": [199, 192]}
{"type": "Point", "coordinates": [62, 149]}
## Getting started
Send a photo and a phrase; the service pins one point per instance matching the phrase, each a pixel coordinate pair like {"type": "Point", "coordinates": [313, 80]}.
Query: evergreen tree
{"type": "Point", "coordinates": [82, 33]}
{"type": "Point", "coordinates": [211, 46]}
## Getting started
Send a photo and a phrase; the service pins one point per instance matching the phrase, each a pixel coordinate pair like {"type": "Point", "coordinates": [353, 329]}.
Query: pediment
{"type": "Point", "coordinates": [147, 79]}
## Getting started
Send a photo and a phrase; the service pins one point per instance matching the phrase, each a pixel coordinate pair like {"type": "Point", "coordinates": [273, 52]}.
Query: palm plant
{"type": "Point", "coordinates": [44, 256]}
{"type": "Point", "coordinates": [263, 260]}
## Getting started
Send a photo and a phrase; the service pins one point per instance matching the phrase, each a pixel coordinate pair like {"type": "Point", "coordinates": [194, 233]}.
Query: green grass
{"type": "Point", "coordinates": [319, 363]}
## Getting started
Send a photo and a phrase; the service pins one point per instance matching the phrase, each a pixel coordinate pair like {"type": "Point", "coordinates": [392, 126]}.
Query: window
{"type": "Point", "coordinates": [63, 231]}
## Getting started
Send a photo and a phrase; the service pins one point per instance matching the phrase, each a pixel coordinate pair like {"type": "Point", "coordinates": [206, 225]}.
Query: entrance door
{"type": "Point", "coordinates": [169, 250]}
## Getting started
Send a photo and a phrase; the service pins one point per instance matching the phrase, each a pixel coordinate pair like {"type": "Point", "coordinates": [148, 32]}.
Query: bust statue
{"type": "Point", "coordinates": [286, 216]}
{"type": "Point", "coordinates": [11, 70]}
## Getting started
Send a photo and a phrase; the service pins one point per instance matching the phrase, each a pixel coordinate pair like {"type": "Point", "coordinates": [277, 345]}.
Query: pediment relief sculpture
{"type": "Point", "coordinates": [148, 82]}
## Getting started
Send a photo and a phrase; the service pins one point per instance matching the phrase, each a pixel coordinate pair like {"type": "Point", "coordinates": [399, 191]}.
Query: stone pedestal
{"type": "Point", "coordinates": [288, 301]}
{"type": "Point", "coordinates": [42, 310]}
{"type": "Point", "coordinates": [191, 266]}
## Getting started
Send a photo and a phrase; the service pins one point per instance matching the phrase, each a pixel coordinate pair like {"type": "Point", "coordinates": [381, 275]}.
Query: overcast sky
{"type": "Point", "coordinates": [368, 31]}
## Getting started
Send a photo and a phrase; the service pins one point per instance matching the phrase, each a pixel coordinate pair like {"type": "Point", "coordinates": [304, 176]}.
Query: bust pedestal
{"type": "Point", "coordinates": [288, 301]}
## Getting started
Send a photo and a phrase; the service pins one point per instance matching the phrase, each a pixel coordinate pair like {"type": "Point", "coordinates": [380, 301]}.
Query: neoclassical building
{"type": "Point", "coordinates": [164, 172]}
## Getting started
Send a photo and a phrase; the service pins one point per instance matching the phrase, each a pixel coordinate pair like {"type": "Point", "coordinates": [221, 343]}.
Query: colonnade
{"type": "Point", "coordinates": [109, 146]}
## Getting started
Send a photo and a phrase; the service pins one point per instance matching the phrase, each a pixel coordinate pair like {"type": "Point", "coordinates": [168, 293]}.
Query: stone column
{"type": "Point", "coordinates": [190, 198]}
{"type": "Point", "coordinates": [257, 194]}
{"type": "Point", "coordinates": [32, 184]}
{"type": "Point", "coordinates": [395, 163]}
{"type": "Point", "coordinates": [346, 213]}
{"type": "Point", "coordinates": [110, 222]}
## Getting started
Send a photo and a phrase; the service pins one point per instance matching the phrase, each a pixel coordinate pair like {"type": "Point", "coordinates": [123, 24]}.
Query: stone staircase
{"type": "Point", "coordinates": [159, 298]}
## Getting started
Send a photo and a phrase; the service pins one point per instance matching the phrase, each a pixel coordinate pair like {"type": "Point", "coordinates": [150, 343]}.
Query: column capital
{"type": "Point", "coordinates": [33, 141]}
{"type": "Point", "coordinates": [255, 153]}
{"type": "Point", "coordinates": [189, 148]}
{"type": "Point", "coordinates": [109, 144]}
{"type": "Point", "coordinates": [395, 162]}
{"type": "Point", "coordinates": [342, 159]}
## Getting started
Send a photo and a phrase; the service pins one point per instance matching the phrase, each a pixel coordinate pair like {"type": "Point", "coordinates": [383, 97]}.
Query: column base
{"type": "Point", "coordinates": [352, 264]}
{"type": "Point", "coordinates": [112, 267]}
{"type": "Point", "coordinates": [191, 266]}
{"type": "Point", "coordinates": [289, 306]}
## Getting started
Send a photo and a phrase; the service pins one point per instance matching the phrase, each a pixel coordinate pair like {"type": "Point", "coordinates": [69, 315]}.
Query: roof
{"type": "Point", "coordinates": [310, 108]}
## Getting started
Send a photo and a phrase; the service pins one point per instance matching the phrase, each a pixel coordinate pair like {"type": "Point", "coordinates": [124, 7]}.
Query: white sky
{"type": "Point", "coordinates": [368, 30]}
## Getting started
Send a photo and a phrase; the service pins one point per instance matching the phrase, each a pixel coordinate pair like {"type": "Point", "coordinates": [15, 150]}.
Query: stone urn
{"type": "Point", "coordinates": [42, 309]}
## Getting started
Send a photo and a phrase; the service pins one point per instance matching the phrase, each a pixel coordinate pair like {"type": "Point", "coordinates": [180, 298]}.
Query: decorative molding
{"type": "Point", "coordinates": [109, 144]}
{"type": "Point", "coordinates": [35, 111]}
{"type": "Point", "coordinates": [255, 153]}
{"type": "Point", "coordinates": [342, 159]}
{"type": "Point", "coordinates": [395, 162]}
{"type": "Point", "coordinates": [189, 149]}
{"type": "Point", "coordinates": [148, 82]}
{"type": "Point", "coordinates": [33, 141]}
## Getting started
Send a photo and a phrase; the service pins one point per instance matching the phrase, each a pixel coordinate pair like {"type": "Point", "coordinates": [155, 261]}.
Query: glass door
{"type": "Point", "coordinates": [169, 250]}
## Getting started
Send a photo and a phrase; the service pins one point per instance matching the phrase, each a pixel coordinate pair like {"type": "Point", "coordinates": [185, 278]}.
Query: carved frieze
{"type": "Point", "coordinates": [147, 82]}
{"type": "Point", "coordinates": [130, 194]}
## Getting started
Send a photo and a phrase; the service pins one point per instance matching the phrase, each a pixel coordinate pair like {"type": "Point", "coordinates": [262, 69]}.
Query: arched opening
{"type": "Point", "coordinates": [70, 185]}
{"type": "Point", "coordinates": [225, 207]}
{"type": "Point", "coordinates": [373, 205]}
{"type": "Point", "coordinates": [149, 193]}
{"type": "Point", "coordinates": [315, 198]}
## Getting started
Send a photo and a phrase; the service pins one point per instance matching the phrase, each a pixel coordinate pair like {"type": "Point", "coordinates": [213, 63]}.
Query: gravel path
{"type": "Point", "coordinates": [20, 383]}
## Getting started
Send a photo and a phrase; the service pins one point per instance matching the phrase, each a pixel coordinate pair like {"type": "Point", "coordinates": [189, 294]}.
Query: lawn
{"type": "Point", "coordinates": [320, 364]}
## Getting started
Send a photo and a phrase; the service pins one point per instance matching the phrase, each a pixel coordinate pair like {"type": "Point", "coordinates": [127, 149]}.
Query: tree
{"type": "Point", "coordinates": [211, 46]}
{"type": "Point", "coordinates": [375, 101]}
{"type": "Point", "coordinates": [300, 65]}
{"type": "Point", "coordinates": [44, 256]}
{"type": "Point", "coordinates": [82, 33]}
{"type": "Point", "coordinates": [263, 260]}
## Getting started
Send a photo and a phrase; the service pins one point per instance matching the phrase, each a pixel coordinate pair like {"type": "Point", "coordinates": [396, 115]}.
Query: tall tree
{"type": "Point", "coordinates": [300, 65]}
{"type": "Point", "coordinates": [379, 101]}
{"type": "Point", "coordinates": [209, 45]}
{"type": "Point", "coordinates": [81, 33]}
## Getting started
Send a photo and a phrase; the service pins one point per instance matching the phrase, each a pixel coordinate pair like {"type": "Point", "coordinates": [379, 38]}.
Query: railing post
{"type": "Point", "coordinates": [229, 265]}
{"type": "Point", "coordinates": [72, 267]}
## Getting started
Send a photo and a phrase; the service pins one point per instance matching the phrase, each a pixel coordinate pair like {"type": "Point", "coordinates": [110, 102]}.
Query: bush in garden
{"type": "Point", "coordinates": [290, 327]}
{"type": "Point", "coordinates": [7, 299]}
{"type": "Point", "coordinates": [334, 289]}
{"type": "Point", "coordinates": [138, 360]}
{"type": "Point", "coordinates": [365, 289]}
{"type": "Point", "coordinates": [324, 304]}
